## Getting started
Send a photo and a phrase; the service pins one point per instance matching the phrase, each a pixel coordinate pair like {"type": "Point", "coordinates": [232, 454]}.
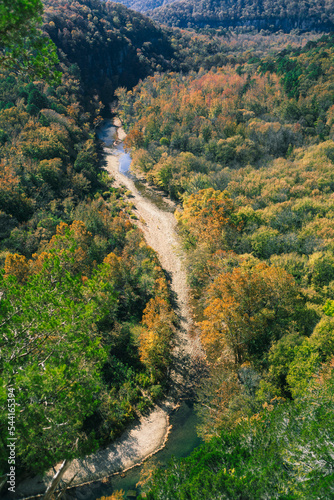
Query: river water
{"type": "Point", "coordinates": [181, 442]}
{"type": "Point", "coordinates": [183, 437]}
{"type": "Point", "coordinates": [107, 134]}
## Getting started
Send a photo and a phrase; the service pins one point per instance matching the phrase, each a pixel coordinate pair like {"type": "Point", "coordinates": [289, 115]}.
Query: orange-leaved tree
{"type": "Point", "coordinates": [247, 309]}
{"type": "Point", "coordinates": [16, 265]}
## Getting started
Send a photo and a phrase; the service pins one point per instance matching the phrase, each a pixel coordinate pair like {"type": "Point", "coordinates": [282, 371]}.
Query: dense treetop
{"type": "Point", "coordinates": [239, 130]}
{"type": "Point", "coordinates": [144, 5]}
{"type": "Point", "coordinates": [268, 14]}
{"type": "Point", "coordinates": [23, 46]}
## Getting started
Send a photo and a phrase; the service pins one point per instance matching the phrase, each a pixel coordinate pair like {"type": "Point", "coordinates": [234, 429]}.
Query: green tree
{"type": "Point", "coordinates": [284, 452]}
{"type": "Point", "coordinates": [52, 355]}
{"type": "Point", "coordinates": [22, 45]}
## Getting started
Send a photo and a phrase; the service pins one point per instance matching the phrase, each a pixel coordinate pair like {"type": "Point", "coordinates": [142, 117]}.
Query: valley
{"type": "Point", "coordinates": [167, 260]}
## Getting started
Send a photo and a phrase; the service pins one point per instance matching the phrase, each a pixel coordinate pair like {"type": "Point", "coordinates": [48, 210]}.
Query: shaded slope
{"type": "Point", "coordinates": [110, 45]}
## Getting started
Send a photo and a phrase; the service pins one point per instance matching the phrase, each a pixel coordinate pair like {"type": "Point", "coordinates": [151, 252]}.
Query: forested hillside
{"type": "Point", "coordinates": [109, 44]}
{"type": "Point", "coordinates": [248, 150]}
{"type": "Point", "coordinates": [144, 5]}
{"type": "Point", "coordinates": [260, 14]}
{"type": "Point", "coordinates": [239, 131]}
{"type": "Point", "coordinates": [83, 342]}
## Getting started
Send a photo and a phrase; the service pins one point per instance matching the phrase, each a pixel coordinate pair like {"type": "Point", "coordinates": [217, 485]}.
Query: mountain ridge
{"type": "Point", "coordinates": [259, 14]}
{"type": "Point", "coordinates": [144, 5]}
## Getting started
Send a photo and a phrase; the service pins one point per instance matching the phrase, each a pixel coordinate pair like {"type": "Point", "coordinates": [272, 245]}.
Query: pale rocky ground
{"type": "Point", "coordinates": [150, 434]}
{"type": "Point", "coordinates": [139, 442]}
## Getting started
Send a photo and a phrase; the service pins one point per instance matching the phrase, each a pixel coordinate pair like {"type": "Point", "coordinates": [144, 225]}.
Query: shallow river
{"type": "Point", "coordinates": [183, 437]}
{"type": "Point", "coordinates": [181, 442]}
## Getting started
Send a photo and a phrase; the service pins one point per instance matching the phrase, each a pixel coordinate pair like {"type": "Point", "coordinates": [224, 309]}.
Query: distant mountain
{"type": "Point", "coordinates": [144, 5]}
{"type": "Point", "coordinates": [261, 14]}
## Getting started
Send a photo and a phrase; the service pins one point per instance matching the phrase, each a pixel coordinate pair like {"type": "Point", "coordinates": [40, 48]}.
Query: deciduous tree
{"type": "Point", "coordinates": [248, 308]}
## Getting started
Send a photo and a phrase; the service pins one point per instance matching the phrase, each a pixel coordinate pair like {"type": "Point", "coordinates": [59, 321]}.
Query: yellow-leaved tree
{"type": "Point", "coordinates": [247, 309]}
{"type": "Point", "coordinates": [207, 218]}
{"type": "Point", "coordinates": [157, 334]}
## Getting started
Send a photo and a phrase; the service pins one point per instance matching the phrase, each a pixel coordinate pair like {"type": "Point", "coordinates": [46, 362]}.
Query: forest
{"type": "Point", "coordinates": [238, 130]}
{"type": "Point", "coordinates": [247, 150]}
{"type": "Point", "coordinates": [144, 5]}
{"type": "Point", "coordinates": [246, 14]}
{"type": "Point", "coordinates": [87, 324]}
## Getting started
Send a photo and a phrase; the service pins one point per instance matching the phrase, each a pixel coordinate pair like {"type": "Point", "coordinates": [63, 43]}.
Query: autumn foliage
{"type": "Point", "coordinates": [16, 265]}
{"type": "Point", "coordinates": [205, 217]}
{"type": "Point", "coordinates": [248, 309]}
{"type": "Point", "coordinates": [157, 334]}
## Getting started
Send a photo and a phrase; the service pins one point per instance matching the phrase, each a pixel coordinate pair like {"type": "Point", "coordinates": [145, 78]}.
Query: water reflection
{"type": "Point", "coordinates": [107, 134]}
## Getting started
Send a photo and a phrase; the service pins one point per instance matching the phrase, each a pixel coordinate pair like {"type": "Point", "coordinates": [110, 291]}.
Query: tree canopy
{"type": "Point", "coordinates": [22, 45]}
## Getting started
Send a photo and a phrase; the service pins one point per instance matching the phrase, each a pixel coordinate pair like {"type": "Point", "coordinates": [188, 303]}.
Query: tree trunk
{"type": "Point", "coordinates": [56, 480]}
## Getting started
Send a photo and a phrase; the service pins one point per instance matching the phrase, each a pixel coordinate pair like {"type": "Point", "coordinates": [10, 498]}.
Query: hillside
{"type": "Point", "coordinates": [110, 45]}
{"type": "Point", "coordinates": [261, 14]}
{"type": "Point", "coordinates": [239, 132]}
{"type": "Point", "coordinates": [144, 5]}
{"type": "Point", "coordinates": [76, 276]}
{"type": "Point", "coordinates": [248, 150]}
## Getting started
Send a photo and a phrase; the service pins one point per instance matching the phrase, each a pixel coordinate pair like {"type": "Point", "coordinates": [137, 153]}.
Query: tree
{"type": "Point", "coordinates": [286, 451]}
{"type": "Point", "coordinates": [217, 399]}
{"type": "Point", "coordinates": [281, 355]}
{"type": "Point", "coordinates": [248, 308]}
{"type": "Point", "coordinates": [18, 18]}
{"type": "Point", "coordinates": [157, 335]}
{"type": "Point", "coordinates": [52, 355]}
{"type": "Point", "coordinates": [17, 265]}
{"type": "Point", "coordinates": [71, 245]}
{"type": "Point", "coordinates": [206, 217]}
{"type": "Point", "coordinates": [22, 45]}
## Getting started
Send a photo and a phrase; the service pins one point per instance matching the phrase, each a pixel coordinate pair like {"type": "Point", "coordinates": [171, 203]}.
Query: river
{"type": "Point", "coordinates": [181, 442]}
{"type": "Point", "coordinates": [156, 210]}
{"type": "Point", "coordinates": [170, 429]}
